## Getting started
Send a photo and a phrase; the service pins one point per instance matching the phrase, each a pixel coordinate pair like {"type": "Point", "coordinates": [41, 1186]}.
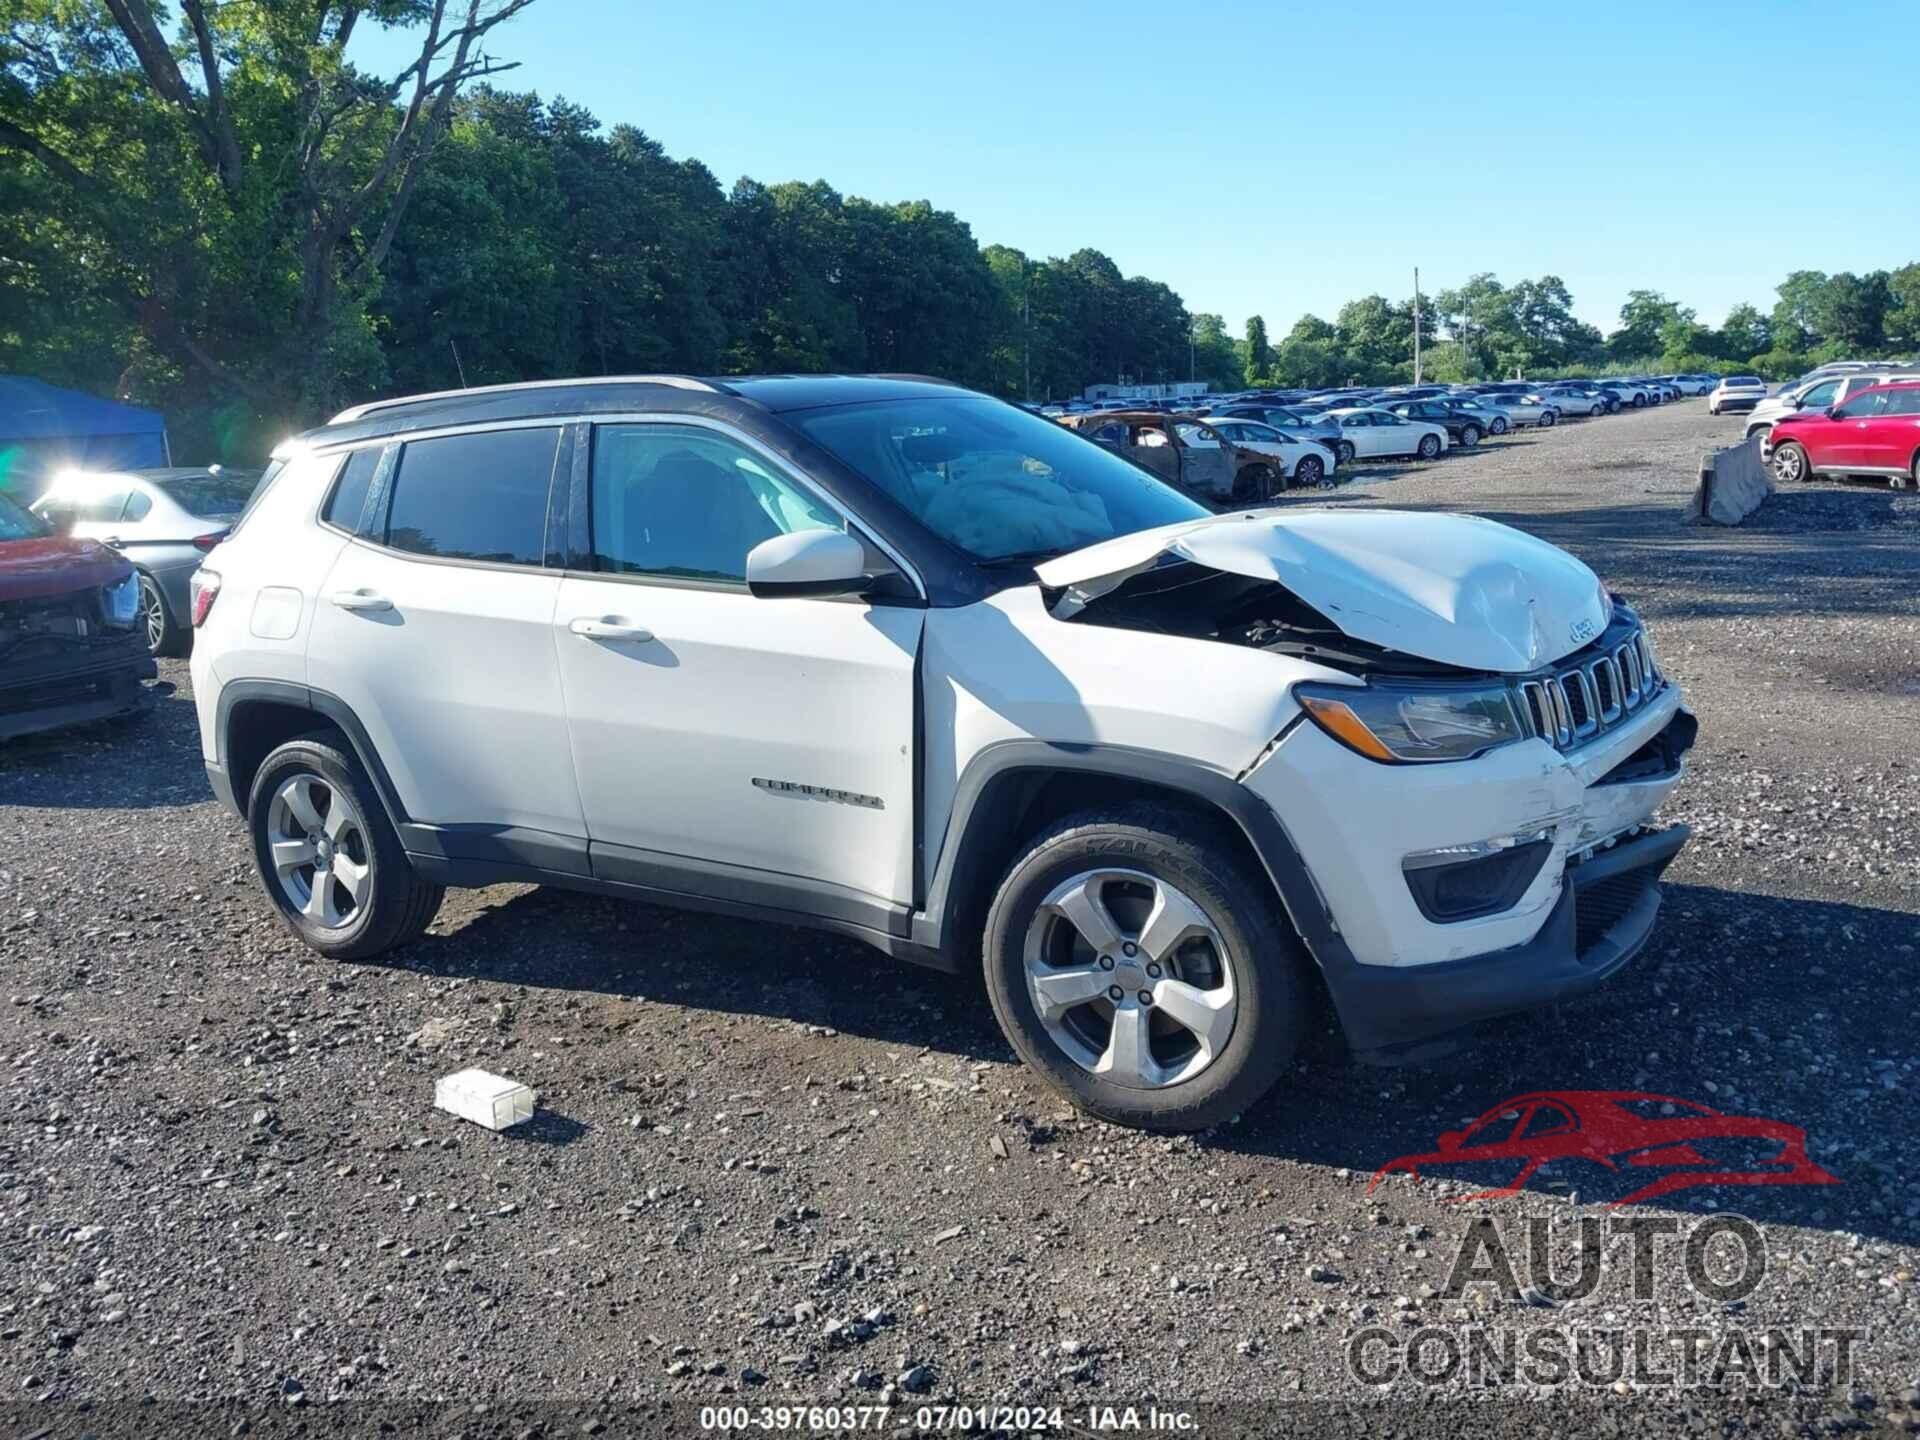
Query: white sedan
{"type": "Point", "coordinates": [1302, 462]}
{"type": "Point", "coordinates": [1381, 432]}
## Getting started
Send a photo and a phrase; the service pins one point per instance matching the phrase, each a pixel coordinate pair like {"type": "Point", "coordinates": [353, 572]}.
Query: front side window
{"type": "Point", "coordinates": [1821, 395]}
{"type": "Point", "coordinates": [138, 504]}
{"type": "Point", "coordinates": [992, 480]}
{"type": "Point", "coordinates": [1863, 407]}
{"type": "Point", "coordinates": [474, 497]}
{"type": "Point", "coordinates": [678, 501]}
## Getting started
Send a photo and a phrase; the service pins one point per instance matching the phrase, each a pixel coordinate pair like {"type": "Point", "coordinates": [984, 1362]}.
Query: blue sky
{"type": "Point", "coordinates": [1284, 159]}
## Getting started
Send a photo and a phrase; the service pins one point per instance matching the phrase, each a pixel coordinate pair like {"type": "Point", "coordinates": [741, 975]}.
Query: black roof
{"type": "Point", "coordinates": [719, 396]}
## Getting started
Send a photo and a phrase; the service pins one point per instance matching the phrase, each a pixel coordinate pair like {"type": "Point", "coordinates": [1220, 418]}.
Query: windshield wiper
{"type": "Point", "coordinates": [1026, 557]}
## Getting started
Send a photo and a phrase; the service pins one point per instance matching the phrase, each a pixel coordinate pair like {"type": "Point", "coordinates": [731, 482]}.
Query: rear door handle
{"type": "Point", "coordinates": [598, 628]}
{"type": "Point", "coordinates": [359, 600]}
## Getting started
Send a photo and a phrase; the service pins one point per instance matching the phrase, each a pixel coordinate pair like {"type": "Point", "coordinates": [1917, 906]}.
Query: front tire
{"type": "Point", "coordinates": [164, 637]}
{"type": "Point", "coordinates": [1108, 906]}
{"type": "Point", "coordinates": [328, 856]}
{"type": "Point", "coordinates": [1310, 471]}
{"type": "Point", "coordinates": [1790, 464]}
{"type": "Point", "coordinates": [1346, 452]}
{"type": "Point", "coordinates": [1429, 447]}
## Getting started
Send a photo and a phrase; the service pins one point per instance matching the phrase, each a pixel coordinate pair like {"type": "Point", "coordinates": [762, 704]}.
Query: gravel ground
{"type": "Point", "coordinates": [771, 1167]}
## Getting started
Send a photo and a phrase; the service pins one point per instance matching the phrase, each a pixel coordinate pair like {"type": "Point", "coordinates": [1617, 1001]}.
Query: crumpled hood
{"type": "Point", "coordinates": [1455, 589]}
{"type": "Point", "coordinates": [33, 569]}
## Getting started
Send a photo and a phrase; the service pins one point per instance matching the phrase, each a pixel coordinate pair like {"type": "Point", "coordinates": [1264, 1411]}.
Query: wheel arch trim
{"type": "Point", "coordinates": [974, 814]}
{"type": "Point", "coordinates": [325, 706]}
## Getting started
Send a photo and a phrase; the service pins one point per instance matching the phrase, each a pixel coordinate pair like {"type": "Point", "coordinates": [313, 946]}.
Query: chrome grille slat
{"type": "Point", "coordinates": [1586, 699]}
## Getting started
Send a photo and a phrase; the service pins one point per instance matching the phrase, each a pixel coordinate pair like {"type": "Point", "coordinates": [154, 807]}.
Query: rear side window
{"type": "Point", "coordinates": [349, 495]}
{"type": "Point", "coordinates": [474, 497]}
{"type": "Point", "coordinates": [1903, 402]}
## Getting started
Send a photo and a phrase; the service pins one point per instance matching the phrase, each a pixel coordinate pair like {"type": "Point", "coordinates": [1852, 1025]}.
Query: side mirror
{"type": "Point", "coordinates": [1450, 1139]}
{"type": "Point", "coordinates": [807, 563]}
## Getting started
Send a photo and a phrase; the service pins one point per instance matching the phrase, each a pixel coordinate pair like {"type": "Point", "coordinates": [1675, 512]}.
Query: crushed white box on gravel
{"type": "Point", "coordinates": [490, 1100]}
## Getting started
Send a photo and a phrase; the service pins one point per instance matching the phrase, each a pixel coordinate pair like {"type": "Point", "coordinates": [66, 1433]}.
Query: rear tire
{"type": "Point", "coordinates": [1254, 482]}
{"type": "Point", "coordinates": [1429, 447]}
{"type": "Point", "coordinates": [1497, 426]}
{"type": "Point", "coordinates": [1133, 861]}
{"type": "Point", "coordinates": [1470, 435]}
{"type": "Point", "coordinates": [357, 894]}
{"type": "Point", "coordinates": [1547, 417]}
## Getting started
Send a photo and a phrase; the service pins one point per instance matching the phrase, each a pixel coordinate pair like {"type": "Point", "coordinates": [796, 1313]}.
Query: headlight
{"type": "Point", "coordinates": [1394, 723]}
{"type": "Point", "coordinates": [121, 603]}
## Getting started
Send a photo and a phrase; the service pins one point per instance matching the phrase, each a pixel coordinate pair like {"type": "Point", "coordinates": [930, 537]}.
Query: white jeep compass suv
{"type": "Point", "coordinates": [892, 658]}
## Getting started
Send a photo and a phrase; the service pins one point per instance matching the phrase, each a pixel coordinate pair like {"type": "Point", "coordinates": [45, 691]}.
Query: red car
{"type": "Point", "coordinates": [1877, 432]}
{"type": "Point", "coordinates": [1624, 1129]}
{"type": "Point", "coordinates": [72, 648]}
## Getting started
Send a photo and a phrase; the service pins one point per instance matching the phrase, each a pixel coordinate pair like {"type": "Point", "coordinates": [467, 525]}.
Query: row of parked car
{"type": "Point", "coordinates": [1247, 447]}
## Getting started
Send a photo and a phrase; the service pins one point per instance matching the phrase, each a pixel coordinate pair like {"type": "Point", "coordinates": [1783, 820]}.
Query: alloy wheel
{"type": "Point", "coordinates": [1309, 471]}
{"type": "Point", "coordinates": [321, 856]}
{"type": "Point", "coordinates": [1790, 463]}
{"type": "Point", "coordinates": [153, 614]}
{"type": "Point", "coordinates": [1131, 978]}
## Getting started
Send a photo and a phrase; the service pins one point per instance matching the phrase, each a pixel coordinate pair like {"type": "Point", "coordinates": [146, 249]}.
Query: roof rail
{"type": "Point", "coordinates": [678, 382]}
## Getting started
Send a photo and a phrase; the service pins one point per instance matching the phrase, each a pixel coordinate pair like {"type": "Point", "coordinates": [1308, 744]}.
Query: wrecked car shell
{"type": "Point", "coordinates": [1452, 589]}
{"type": "Point", "coordinates": [1218, 469]}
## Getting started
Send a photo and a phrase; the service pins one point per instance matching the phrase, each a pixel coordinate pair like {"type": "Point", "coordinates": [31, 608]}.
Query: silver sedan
{"type": "Point", "coordinates": [164, 521]}
{"type": "Point", "coordinates": [1529, 410]}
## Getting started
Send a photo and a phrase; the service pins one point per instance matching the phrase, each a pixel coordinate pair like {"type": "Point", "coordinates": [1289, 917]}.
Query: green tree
{"type": "Point", "coordinates": [1796, 313]}
{"type": "Point", "coordinates": [242, 180]}
{"type": "Point", "coordinates": [1642, 319]}
{"type": "Point", "coordinates": [1742, 335]}
{"type": "Point", "coordinates": [1215, 359]}
{"type": "Point", "coordinates": [1902, 324]}
{"type": "Point", "coordinates": [1259, 353]}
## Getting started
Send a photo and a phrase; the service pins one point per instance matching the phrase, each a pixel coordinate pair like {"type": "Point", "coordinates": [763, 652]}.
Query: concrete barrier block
{"type": "Point", "coordinates": [1733, 482]}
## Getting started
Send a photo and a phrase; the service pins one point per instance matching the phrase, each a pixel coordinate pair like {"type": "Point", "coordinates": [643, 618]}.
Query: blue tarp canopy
{"type": "Point", "coordinates": [44, 429]}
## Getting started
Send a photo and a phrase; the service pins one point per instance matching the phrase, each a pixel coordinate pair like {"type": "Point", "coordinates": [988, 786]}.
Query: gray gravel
{"type": "Point", "coordinates": [771, 1166]}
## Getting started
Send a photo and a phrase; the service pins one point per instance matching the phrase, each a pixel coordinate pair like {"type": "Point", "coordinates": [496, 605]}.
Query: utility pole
{"type": "Point", "coordinates": [1416, 324]}
{"type": "Point", "coordinates": [1026, 331]}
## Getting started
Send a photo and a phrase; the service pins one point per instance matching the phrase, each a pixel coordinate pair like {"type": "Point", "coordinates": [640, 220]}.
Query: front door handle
{"type": "Point", "coordinates": [114, 540]}
{"type": "Point", "coordinates": [359, 600]}
{"type": "Point", "coordinates": [608, 627]}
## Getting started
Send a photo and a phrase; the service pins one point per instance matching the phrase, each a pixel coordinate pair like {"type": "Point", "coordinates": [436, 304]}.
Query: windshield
{"type": "Point", "coordinates": [216, 497]}
{"type": "Point", "coordinates": [19, 523]}
{"type": "Point", "coordinates": [993, 480]}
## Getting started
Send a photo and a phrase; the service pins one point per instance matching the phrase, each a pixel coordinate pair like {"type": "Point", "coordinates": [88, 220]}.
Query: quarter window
{"type": "Point", "coordinates": [678, 502]}
{"type": "Point", "coordinates": [474, 497]}
{"type": "Point", "coordinates": [349, 495]}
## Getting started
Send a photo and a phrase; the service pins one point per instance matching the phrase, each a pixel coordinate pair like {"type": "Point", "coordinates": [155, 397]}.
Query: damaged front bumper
{"type": "Point", "coordinates": [1454, 892]}
{"type": "Point", "coordinates": [75, 690]}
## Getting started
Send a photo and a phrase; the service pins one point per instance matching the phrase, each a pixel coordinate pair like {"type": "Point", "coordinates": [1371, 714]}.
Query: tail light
{"type": "Point", "coordinates": [203, 587]}
{"type": "Point", "coordinates": [207, 542]}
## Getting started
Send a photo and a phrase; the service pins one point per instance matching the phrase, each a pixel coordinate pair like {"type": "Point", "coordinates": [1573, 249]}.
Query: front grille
{"type": "Point", "coordinates": [1598, 907]}
{"type": "Point", "coordinates": [1593, 692]}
